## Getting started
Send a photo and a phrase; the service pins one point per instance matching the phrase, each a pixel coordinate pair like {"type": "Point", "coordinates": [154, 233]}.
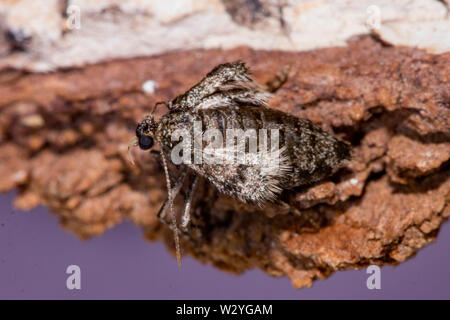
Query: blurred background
{"type": "Point", "coordinates": [120, 264]}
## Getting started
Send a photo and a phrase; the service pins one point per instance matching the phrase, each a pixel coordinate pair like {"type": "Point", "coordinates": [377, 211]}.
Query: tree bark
{"type": "Point", "coordinates": [64, 137]}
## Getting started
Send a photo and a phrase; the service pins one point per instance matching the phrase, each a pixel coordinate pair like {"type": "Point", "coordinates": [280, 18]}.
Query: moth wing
{"type": "Point", "coordinates": [226, 84]}
{"type": "Point", "coordinates": [228, 76]}
{"type": "Point", "coordinates": [235, 98]}
{"type": "Point", "coordinates": [257, 179]}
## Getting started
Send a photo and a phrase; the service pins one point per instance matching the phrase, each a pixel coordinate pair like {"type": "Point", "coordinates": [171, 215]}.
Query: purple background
{"type": "Point", "coordinates": [35, 252]}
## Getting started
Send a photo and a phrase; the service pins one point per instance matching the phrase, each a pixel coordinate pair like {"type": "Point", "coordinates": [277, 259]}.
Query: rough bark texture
{"type": "Point", "coordinates": [64, 137]}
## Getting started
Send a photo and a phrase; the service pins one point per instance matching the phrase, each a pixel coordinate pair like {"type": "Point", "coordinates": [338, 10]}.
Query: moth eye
{"type": "Point", "coordinates": [145, 142]}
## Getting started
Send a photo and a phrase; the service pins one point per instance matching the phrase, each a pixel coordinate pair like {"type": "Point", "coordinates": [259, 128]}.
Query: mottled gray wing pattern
{"type": "Point", "coordinates": [258, 182]}
{"type": "Point", "coordinates": [257, 178]}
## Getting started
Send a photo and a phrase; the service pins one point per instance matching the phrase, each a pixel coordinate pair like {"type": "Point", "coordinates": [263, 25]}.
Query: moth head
{"type": "Point", "coordinates": [145, 133]}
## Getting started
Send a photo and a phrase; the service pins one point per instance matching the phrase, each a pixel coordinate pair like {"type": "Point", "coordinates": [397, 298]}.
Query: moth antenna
{"type": "Point", "coordinates": [167, 104]}
{"type": "Point", "coordinates": [175, 233]}
{"type": "Point", "coordinates": [133, 143]}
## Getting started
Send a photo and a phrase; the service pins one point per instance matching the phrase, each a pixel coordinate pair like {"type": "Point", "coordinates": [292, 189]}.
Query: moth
{"type": "Point", "coordinates": [227, 98]}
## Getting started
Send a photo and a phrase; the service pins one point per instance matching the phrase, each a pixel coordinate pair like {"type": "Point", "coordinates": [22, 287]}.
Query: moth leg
{"type": "Point", "coordinates": [175, 190]}
{"type": "Point", "coordinates": [278, 80]}
{"type": "Point", "coordinates": [186, 217]}
{"type": "Point", "coordinates": [163, 211]}
{"type": "Point", "coordinates": [157, 156]}
{"type": "Point", "coordinates": [171, 196]}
